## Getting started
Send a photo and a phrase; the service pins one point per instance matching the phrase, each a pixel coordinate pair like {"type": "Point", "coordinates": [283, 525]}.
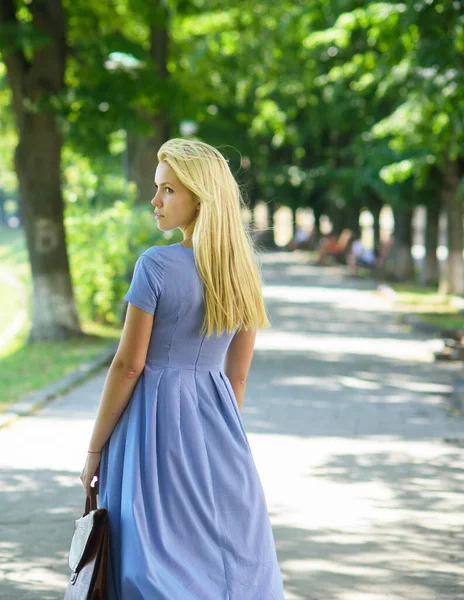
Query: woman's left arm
{"type": "Point", "coordinates": [123, 374]}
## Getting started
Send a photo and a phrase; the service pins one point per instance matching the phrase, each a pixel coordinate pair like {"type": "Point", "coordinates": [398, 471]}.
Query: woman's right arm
{"type": "Point", "coordinates": [238, 361]}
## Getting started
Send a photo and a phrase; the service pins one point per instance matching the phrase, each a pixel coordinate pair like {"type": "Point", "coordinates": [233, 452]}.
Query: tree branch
{"type": "Point", "coordinates": [13, 57]}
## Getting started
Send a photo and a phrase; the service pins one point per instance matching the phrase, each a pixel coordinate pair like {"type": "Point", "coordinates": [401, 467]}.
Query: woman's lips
{"type": "Point", "coordinates": [159, 216]}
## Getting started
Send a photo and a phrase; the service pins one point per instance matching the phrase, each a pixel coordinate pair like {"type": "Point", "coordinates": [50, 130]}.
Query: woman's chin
{"type": "Point", "coordinates": [162, 226]}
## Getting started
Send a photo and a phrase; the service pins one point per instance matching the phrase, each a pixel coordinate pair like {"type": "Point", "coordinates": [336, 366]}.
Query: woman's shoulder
{"type": "Point", "coordinates": [169, 252]}
{"type": "Point", "coordinates": [159, 252]}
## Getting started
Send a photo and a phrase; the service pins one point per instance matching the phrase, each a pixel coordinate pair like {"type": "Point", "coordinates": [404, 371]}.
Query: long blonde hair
{"type": "Point", "coordinates": [224, 250]}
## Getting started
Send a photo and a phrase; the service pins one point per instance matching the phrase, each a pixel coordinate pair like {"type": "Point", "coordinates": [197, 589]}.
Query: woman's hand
{"type": "Point", "coordinates": [91, 468]}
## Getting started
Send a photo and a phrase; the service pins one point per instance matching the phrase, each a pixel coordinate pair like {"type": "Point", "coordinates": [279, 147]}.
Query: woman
{"type": "Point", "coordinates": [188, 516]}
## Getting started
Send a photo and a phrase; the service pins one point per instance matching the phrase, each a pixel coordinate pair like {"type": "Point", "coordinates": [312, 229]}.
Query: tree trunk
{"type": "Point", "coordinates": [142, 150]}
{"type": "Point", "coordinates": [399, 265]}
{"type": "Point", "coordinates": [294, 208]}
{"type": "Point", "coordinates": [452, 281]}
{"type": "Point", "coordinates": [35, 83]}
{"type": "Point", "coordinates": [430, 271]}
{"type": "Point", "coordinates": [37, 161]}
{"type": "Point", "coordinates": [337, 219]}
{"type": "Point", "coordinates": [266, 237]}
{"type": "Point", "coordinates": [375, 206]}
{"type": "Point", "coordinates": [252, 201]}
{"type": "Point", "coordinates": [252, 195]}
{"type": "Point", "coordinates": [317, 213]}
{"type": "Point", "coordinates": [271, 210]}
{"type": "Point", "coordinates": [351, 220]}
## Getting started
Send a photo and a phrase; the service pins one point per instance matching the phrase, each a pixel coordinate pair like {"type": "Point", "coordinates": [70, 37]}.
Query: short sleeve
{"type": "Point", "coordinates": [147, 283]}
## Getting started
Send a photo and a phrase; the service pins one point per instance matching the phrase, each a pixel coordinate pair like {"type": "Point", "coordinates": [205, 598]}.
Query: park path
{"type": "Point", "coordinates": [348, 420]}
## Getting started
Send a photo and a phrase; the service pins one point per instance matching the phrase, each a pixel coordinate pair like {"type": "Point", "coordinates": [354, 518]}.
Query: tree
{"type": "Point", "coordinates": [34, 51]}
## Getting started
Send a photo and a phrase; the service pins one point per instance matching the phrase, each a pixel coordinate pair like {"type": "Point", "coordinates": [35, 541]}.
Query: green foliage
{"type": "Point", "coordinates": [104, 236]}
{"type": "Point", "coordinates": [338, 102]}
{"type": "Point", "coordinates": [103, 247]}
{"type": "Point", "coordinates": [415, 68]}
{"type": "Point", "coordinates": [8, 135]}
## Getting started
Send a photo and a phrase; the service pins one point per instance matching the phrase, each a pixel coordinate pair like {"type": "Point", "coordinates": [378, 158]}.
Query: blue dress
{"type": "Point", "coordinates": [187, 511]}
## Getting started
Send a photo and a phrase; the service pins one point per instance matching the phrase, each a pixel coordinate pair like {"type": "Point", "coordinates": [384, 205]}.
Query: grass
{"type": "Point", "coordinates": [443, 321]}
{"type": "Point", "coordinates": [430, 306]}
{"type": "Point", "coordinates": [15, 276]}
{"type": "Point", "coordinates": [33, 366]}
{"type": "Point", "coordinates": [26, 368]}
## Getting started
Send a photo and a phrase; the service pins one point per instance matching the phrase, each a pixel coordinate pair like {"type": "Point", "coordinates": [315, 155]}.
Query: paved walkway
{"type": "Point", "coordinates": [347, 418]}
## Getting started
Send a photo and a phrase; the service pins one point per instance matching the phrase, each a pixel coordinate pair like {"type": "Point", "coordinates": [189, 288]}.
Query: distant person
{"type": "Point", "coordinates": [334, 246]}
{"type": "Point", "coordinates": [303, 239]}
{"type": "Point", "coordinates": [359, 255]}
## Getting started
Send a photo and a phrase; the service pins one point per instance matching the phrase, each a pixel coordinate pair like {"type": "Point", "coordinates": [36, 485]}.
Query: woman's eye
{"type": "Point", "coordinates": [168, 188]}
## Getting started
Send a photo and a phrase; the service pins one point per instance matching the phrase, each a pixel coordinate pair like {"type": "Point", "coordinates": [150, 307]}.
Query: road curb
{"type": "Point", "coordinates": [410, 318]}
{"type": "Point", "coordinates": [419, 325]}
{"type": "Point", "coordinates": [456, 397]}
{"type": "Point", "coordinates": [36, 400]}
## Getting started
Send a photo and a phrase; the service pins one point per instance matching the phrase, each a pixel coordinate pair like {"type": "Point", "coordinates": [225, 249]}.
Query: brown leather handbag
{"type": "Point", "coordinates": [88, 555]}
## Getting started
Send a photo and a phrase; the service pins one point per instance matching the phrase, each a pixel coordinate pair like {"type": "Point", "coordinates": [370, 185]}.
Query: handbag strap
{"type": "Point", "coordinates": [91, 501]}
